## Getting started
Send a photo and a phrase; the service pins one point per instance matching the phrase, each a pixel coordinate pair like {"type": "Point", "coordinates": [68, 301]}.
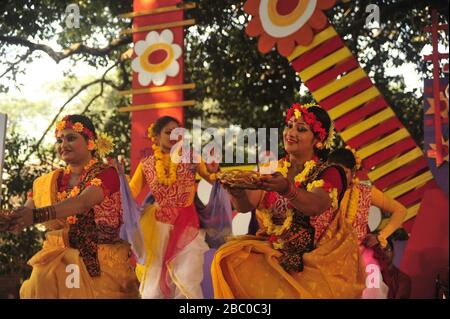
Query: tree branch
{"type": "Point", "coordinates": [76, 48]}
{"type": "Point", "coordinates": [101, 80]}
{"type": "Point", "coordinates": [13, 64]}
{"type": "Point", "coordinates": [102, 83]}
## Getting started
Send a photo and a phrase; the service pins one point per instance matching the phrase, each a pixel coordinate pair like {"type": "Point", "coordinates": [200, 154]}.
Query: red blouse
{"type": "Point", "coordinates": [321, 222]}
{"type": "Point", "coordinates": [107, 214]}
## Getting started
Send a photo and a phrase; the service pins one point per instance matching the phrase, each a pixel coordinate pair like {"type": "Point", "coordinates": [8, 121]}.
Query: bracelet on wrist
{"type": "Point", "coordinates": [43, 214]}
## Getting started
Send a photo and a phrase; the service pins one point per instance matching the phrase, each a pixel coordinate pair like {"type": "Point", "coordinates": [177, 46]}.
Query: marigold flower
{"type": "Point", "coordinates": [75, 191]}
{"type": "Point", "coordinates": [77, 127]}
{"type": "Point", "coordinates": [71, 220]}
{"type": "Point", "coordinates": [61, 125]}
{"type": "Point", "coordinates": [96, 182]}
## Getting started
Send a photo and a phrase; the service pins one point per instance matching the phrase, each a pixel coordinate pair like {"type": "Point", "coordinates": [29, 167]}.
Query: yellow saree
{"type": "Point", "coordinates": [248, 268]}
{"type": "Point", "coordinates": [59, 271]}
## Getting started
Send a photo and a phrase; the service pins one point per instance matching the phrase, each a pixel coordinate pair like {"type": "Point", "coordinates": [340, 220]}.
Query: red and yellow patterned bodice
{"type": "Point", "coordinates": [170, 198]}
{"type": "Point", "coordinates": [107, 214]}
{"type": "Point", "coordinates": [360, 224]}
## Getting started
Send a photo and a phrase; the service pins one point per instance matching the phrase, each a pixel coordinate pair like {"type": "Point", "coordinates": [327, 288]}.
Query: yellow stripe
{"type": "Point", "coordinates": [338, 84]}
{"type": "Point", "coordinates": [180, 6]}
{"type": "Point", "coordinates": [353, 102]}
{"type": "Point", "coordinates": [158, 89]}
{"type": "Point", "coordinates": [383, 143]}
{"type": "Point", "coordinates": [367, 124]}
{"type": "Point", "coordinates": [403, 188]}
{"type": "Point", "coordinates": [319, 38]}
{"type": "Point", "coordinates": [156, 106]}
{"type": "Point", "coordinates": [395, 163]}
{"type": "Point", "coordinates": [325, 63]}
{"type": "Point", "coordinates": [412, 211]}
{"type": "Point", "coordinates": [159, 26]}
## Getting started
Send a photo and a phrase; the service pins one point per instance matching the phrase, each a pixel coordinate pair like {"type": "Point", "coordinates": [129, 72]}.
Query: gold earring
{"type": "Point", "coordinates": [319, 145]}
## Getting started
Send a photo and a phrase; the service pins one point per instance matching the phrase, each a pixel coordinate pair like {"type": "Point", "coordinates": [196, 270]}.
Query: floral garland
{"type": "Point", "coordinates": [275, 231]}
{"type": "Point", "coordinates": [350, 202]}
{"type": "Point", "coordinates": [327, 187]}
{"type": "Point", "coordinates": [299, 111]}
{"type": "Point", "coordinates": [162, 164]}
{"type": "Point", "coordinates": [103, 143]}
{"type": "Point", "coordinates": [63, 192]}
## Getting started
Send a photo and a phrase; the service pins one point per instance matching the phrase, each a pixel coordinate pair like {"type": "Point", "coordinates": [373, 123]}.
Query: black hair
{"type": "Point", "coordinates": [323, 117]}
{"type": "Point", "coordinates": [87, 123]}
{"type": "Point", "coordinates": [161, 122]}
{"type": "Point", "coordinates": [343, 157]}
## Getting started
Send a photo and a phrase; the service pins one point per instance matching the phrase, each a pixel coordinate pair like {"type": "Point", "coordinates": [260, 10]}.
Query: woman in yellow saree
{"type": "Point", "coordinates": [83, 256]}
{"type": "Point", "coordinates": [304, 248]}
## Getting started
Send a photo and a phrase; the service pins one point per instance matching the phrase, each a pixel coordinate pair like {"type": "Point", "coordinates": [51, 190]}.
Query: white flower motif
{"type": "Point", "coordinates": [148, 66]}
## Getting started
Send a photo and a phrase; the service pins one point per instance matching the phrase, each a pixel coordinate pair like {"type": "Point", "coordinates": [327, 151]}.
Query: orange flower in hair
{"type": "Point", "coordinates": [61, 125]}
{"type": "Point", "coordinates": [77, 127]}
{"type": "Point", "coordinates": [91, 145]}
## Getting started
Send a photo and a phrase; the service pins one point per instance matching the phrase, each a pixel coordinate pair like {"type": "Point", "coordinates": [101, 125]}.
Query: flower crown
{"type": "Point", "coordinates": [103, 143]}
{"type": "Point", "coordinates": [357, 158]}
{"type": "Point", "coordinates": [299, 111]}
{"type": "Point", "coordinates": [150, 133]}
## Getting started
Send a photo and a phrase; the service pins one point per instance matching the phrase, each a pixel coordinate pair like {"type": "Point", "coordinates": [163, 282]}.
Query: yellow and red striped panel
{"type": "Point", "coordinates": [153, 100]}
{"type": "Point", "coordinates": [365, 121]}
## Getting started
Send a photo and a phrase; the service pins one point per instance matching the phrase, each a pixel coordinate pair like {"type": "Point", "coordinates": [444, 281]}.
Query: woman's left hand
{"type": "Point", "coordinates": [274, 183]}
{"type": "Point", "coordinates": [371, 240]}
{"type": "Point", "coordinates": [23, 218]}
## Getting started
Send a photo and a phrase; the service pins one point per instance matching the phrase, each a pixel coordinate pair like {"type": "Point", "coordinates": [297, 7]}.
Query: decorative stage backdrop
{"type": "Point", "coordinates": [157, 65]}
{"type": "Point", "coordinates": [440, 173]}
{"type": "Point", "coordinates": [300, 31]}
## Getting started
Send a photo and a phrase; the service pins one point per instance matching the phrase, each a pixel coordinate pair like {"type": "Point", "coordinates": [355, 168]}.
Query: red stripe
{"type": "Point", "coordinates": [382, 155]}
{"type": "Point", "coordinates": [439, 27]}
{"type": "Point", "coordinates": [346, 93]}
{"type": "Point", "coordinates": [313, 56]}
{"type": "Point", "coordinates": [429, 88]}
{"type": "Point", "coordinates": [430, 122]}
{"type": "Point", "coordinates": [403, 172]}
{"type": "Point", "coordinates": [414, 196]}
{"type": "Point", "coordinates": [354, 116]}
{"type": "Point", "coordinates": [331, 74]}
{"type": "Point", "coordinates": [378, 131]}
